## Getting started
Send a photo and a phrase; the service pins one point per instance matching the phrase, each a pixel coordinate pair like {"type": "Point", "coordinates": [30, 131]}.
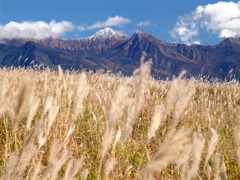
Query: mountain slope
{"type": "Point", "coordinates": [31, 54]}
{"type": "Point", "coordinates": [110, 50]}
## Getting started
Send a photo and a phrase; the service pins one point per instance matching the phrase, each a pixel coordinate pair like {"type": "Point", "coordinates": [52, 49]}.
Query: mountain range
{"type": "Point", "coordinates": [111, 50]}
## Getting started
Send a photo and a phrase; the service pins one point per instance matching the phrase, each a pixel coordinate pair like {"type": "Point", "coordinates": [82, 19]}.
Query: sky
{"type": "Point", "coordinates": [205, 22]}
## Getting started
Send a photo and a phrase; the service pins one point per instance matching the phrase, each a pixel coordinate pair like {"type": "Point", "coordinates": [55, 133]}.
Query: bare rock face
{"type": "Point", "coordinates": [142, 41]}
{"type": "Point", "coordinates": [102, 40]}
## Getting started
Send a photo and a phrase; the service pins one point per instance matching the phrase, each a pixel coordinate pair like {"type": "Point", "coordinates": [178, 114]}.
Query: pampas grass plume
{"type": "Point", "coordinates": [211, 147]}
{"type": "Point", "coordinates": [81, 92]}
{"type": "Point", "coordinates": [156, 122]}
{"type": "Point", "coordinates": [110, 163]}
{"type": "Point", "coordinates": [24, 93]}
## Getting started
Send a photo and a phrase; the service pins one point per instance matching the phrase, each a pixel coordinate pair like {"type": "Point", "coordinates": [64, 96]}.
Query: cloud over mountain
{"type": "Point", "coordinates": [111, 21]}
{"type": "Point", "coordinates": [143, 23]}
{"type": "Point", "coordinates": [37, 30]}
{"type": "Point", "coordinates": [41, 29]}
{"type": "Point", "coordinates": [222, 18]}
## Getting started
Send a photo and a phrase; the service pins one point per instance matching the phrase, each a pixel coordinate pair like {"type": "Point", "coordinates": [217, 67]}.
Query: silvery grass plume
{"type": "Point", "coordinates": [229, 75]}
{"type": "Point", "coordinates": [117, 137]}
{"type": "Point", "coordinates": [172, 94]}
{"type": "Point", "coordinates": [10, 166]}
{"type": "Point", "coordinates": [117, 105]}
{"type": "Point", "coordinates": [110, 163]}
{"type": "Point", "coordinates": [135, 104]}
{"type": "Point", "coordinates": [184, 93]}
{"type": "Point", "coordinates": [55, 149]}
{"type": "Point", "coordinates": [55, 163]}
{"type": "Point", "coordinates": [156, 122]}
{"type": "Point", "coordinates": [85, 174]}
{"type": "Point", "coordinates": [212, 145]}
{"type": "Point", "coordinates": [216, 164]}
{"type": "Point", "coordinates": [168, 152]}
{"type": "Point", "coordinates": [94, 117]}
{"type": "Point", "coordinates": [209, 172]}
{"type": "Point", "coordinates": [36, 171]}
{"type": "Point", "coordinates": [58, 163]}
{"type": "Point", "coordinates": [20, 167]}
{"type": "Point", "coordinates": [60, 72]}
{"type": "Point", "coordinates": [24, 92]}
{"type": "Point", "coordinates": [71, 171]}
{"type": "Point", "coordinates": [45, 80]}
{"type": "Point", "coordinates": [34, 133]}
{"type": "Point", "coordinates": [18, 160]}
{"type": "Point", "coordinates": [33, 106]}
{"type": "Point", "coordinates": [80, 93]}
{"type": "Point", "coordinates": [183, 160]}
{"type": "Point", "coordinates": [209, 118]}
{"type": "Point", "coordinates": [223, 171]}
{"type": "Point", "coordinates": [30, 152]}
{"type": "Point", "coordinates": [181, 92]}
{"type": "Point", "coordinates": [195, 158]}
{"type": "Point", "coordinates": [41, 140]}
{"type": "Point", "coordinates": [53, 111]}
{"type": "Point", "coordinates": [70, 131]}
{"type": "Point", "coordinates": [4, 101]}
{"type": "Point", "coordinates": [47, 105]}
{"type": "Point", "coordinates": [65, 87]}
{"type": "Point", "coordinates": [4, 88]}
{"type": "Point", "coordinates": [237, 140]}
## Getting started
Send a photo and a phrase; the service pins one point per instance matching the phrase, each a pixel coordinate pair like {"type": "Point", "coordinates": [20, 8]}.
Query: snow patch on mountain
{"type": "Point", "coordinates": [108, 33]}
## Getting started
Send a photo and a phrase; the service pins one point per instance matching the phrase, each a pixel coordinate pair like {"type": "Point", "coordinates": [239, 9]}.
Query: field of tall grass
{"type": "Point", "coordinates": [85, 125]}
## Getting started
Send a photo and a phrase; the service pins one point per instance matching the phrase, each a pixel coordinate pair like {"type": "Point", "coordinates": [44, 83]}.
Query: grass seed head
{"type": "Point", "coordinates": [81, 92]}
{"type": "Point", "coordinates": [24, 92]}
{"type": "Point", "coordinates": [211, 147]}
{"type": "Point", "coordinates": [168, 152]}
{"type": "Point", "coordinates": [156, 122]}
{"type": "Point", "coordinates": [110, 163]}
{"type": "Point", "coordinates": [223, 171]}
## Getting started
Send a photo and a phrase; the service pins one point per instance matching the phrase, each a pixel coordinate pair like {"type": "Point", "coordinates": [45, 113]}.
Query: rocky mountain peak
{"type": "Point", "coordinates": [139, 34]}
{"type": "Point", "coordinates": [229, 42]}
{"type": "Point", "coordinates": [140, 31]}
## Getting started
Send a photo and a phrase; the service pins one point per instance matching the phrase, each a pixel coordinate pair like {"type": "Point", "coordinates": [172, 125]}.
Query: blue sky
{"type": "Point", "coordinates": [182, 21]}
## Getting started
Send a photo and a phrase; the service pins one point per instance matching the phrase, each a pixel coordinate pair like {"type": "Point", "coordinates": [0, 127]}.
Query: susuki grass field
{"type": "Point", "coordinates": [85, 125]}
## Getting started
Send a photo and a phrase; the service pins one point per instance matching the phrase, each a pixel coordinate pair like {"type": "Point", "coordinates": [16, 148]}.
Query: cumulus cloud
{"type": "Point", "coordinates": [37, 30]}
{"type": "Point", "coordinates": [222, 18]}
{"type": "Point", "coordinates": [144, 23]}
{"type": "Point", "coordinates": [111, 21]}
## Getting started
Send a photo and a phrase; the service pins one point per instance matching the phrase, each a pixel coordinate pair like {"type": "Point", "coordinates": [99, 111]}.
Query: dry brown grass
{"type": "Point", "coordinates": [66, 125]}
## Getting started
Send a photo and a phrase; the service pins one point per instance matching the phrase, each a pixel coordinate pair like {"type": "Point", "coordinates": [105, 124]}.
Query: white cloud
{"type": "Point", "coordinates": [145, 23]}
{"type": "Point", "coordinates": [111, 21]}
{"type": "Point", "coordinates": [37, 30]}
{"type": "Point", "coordinates": [197, 42]}
{"type": "Point", "coordinates": [81, 28]}
{"type": "Point", "coordinates": [222, 18]}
